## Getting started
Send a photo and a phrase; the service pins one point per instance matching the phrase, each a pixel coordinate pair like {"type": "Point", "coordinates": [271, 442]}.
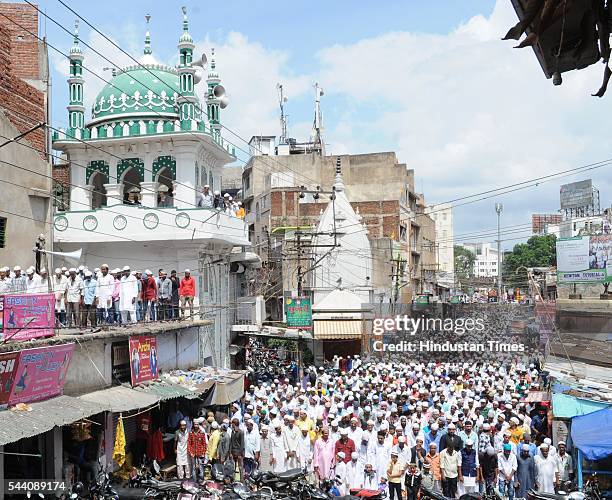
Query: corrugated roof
{"type": "Point", "coordinates": [565, 406]}
{"type": "Point", "coordinates": [337, 329]}
{"type": "Point", "coordinates": [121, 398]}
{"type": "Point", "coordinates": [44, 416]}
{"type": "Point", "coordinates": [167, 390]}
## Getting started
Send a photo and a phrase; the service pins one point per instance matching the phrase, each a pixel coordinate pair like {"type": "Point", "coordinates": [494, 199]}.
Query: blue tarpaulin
{"type": "Point", "coordinates": [592, 434]}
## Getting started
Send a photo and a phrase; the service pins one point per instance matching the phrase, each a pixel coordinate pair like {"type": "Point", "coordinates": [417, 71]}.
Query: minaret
{"type": "Point", "coordinates": [76, 110]}
{"type": "Point", "coordinates": [214, 98]}
{"type": "Point", "coordinates": [187, 98]}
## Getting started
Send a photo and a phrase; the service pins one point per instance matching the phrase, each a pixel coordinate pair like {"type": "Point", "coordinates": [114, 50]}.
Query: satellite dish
{"type": "Point", "coordinates": [223, 102]}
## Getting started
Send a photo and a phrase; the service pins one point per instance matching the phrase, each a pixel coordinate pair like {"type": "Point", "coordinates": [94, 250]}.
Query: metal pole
{"type": "Point", "coordinates": [499, 208]}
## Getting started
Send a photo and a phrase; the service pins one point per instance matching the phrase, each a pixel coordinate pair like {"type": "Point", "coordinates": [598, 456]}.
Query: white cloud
{"type": "Point", "coordinates": [466, 111]}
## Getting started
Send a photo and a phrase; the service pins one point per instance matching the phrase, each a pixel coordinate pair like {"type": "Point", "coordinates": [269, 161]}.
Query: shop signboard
{"type": "Point", "coordinates": [8, 370]}
{"type": "Point", "coordinates": [585, 259]}
{"type": "Point", "coordinates": [455, 299]}
{"type": "Point", "coordinates": [40, 373]}
{"type": "Point", "coordinates": [143, 359]}
{"type": "Point", "coordinates": [28, 317]}
{"type": "Point", "coordinates": [299, 312]}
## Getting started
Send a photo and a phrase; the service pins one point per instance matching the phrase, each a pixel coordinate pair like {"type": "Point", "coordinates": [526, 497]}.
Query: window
{"type": "Point", "coordinates": [2, 232]}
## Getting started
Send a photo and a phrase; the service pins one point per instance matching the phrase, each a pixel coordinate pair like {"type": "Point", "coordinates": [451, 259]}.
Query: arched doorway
{"type": "Point", "coordinates": [165, 179]}
{"type": "Point", "coordinates": [98, 191]}
{"type": "Point", "coordinates": [131, 180]}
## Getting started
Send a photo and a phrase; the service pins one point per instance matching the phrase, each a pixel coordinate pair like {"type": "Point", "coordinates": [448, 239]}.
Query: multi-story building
{"type": "Point", "coordinates": [25, 209]}
{"type": "Point", "coordinates": [485, 265]}
{"type": "Point", "coordinates": [541, 222]}
{"type": "Point", "coordinates": [381, 191]}
{"type": "Point", "coordinates": [150, 136]}
{"type": "Point", "coordinates": [442, 216]}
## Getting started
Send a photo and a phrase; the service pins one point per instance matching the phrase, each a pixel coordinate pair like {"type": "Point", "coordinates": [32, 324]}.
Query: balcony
{"type": "Point", "coordinates": [121, 223]}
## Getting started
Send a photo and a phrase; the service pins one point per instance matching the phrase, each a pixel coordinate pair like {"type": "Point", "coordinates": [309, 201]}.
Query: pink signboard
{"type": "Point", "coordinates": [143, 359]}
{"type": "Point", "coordinates": [28, 316]}
{"type": "Point", "coordinates": [41, 373]}
{"type": "Point", "coordinates": [8, 369]}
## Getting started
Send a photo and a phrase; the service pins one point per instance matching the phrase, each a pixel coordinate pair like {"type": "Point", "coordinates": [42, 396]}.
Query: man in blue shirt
{"type": "Point", "coordinates": [89, 299]}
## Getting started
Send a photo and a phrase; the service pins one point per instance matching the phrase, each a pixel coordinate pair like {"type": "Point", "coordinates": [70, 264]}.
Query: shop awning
{"type": "Point", "coordinates": [566, 406]}
{"type": "Point", "coordinates": [592, 434]}
{"type": "Point", "coordinates": [44, 416]}
{"type": "Point", "coordinates": [337, 329]}
{"type": "Point", "coordinates": [168, 390]}
{"type": "Point", "coordinates": [121, 398]}
{"type": "Point", "coordinates": [228, 388]}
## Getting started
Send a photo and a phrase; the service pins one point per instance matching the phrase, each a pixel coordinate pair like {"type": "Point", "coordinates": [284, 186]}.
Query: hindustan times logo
{"type": "Point", "coordinates": [412, 326]}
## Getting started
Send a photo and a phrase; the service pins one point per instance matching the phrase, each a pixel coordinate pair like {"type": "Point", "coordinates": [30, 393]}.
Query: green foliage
{"type": "Point", "coordinates": [539, 251]}
{"type": "Point", "coordinates": [464, 262]}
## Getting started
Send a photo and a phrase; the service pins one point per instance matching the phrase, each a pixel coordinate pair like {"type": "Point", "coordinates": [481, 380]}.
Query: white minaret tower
{"type": "Point", "coordinates": [76, 109]}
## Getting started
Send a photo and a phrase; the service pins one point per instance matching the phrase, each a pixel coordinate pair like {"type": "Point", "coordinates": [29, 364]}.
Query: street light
{"type": "Point", "coordinates": [499, 208]}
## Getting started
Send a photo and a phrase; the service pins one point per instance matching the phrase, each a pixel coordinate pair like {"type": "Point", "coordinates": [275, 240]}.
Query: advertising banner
{"type": "Point", "coordinates": [143, 359]}
{"type": "Point", "coordinates": [585, 259]}
{"type": "Point", "coordinates": [299, 313]}
{"type": "Point", "coordinates": [8, 370]}
{"type": "Point", "coordinates": [28, 317]}
{"type": "Point", "coordinates": [40, 373]}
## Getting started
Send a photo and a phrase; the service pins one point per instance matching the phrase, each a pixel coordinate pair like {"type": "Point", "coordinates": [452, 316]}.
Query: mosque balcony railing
{"type": "Point", "coordinates": [121, 223]}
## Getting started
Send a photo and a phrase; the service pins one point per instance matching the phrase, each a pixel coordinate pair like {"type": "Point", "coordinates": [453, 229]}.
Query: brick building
{"type": "Point", "coordinates": [24, 101]}
{"type": "Point", "coordinates": [380, 189]}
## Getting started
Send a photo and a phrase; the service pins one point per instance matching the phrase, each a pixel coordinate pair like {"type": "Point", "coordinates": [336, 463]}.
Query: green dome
{"type": "Point", "coordinates": [136, 92]}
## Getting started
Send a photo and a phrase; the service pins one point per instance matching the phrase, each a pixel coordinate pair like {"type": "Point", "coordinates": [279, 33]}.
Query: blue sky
{"type": "Point", "coordinates": [431, 81]}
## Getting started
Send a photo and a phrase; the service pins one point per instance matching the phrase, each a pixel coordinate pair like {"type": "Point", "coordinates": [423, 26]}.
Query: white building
{"type": "Point", "coordinates": [579, 226]}
{"type": "Point", "coordinates": [442, 215]}
{"type": "Point", "coordinates": [485, 265]}
{"type": "Point", "coordinates": [149, 130]}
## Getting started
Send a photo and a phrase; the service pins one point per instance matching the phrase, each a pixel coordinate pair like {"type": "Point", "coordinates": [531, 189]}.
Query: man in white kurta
{"type": "Point", "coordinates": [305, 450]}
{"type": "Point", "coordinates": [546, 468]}
{"type": "Point", "coordinates": [277, 441]}
{"type": "Point", "coordinates": [104, 292]}
{"type": "Point", "coordinates": [340, 472]}
{"type": "Point", "coordinates": [354, 473]}
{"type": "Point", "coordinates": [128, 293]}
{"type": "Point", "coordinates": [181, 438]}
{"type": "Point", "coordinates": [292, 437]}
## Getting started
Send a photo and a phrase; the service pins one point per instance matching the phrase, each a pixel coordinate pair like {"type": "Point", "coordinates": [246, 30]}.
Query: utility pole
{"type": "Point", "coordinates": [499, 208]}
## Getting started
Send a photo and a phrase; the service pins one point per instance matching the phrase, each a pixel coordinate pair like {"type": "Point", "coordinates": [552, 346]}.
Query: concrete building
{"type": "Point", "coordinates": [381, 191]}
{"type": "Point", "coordinates": [25, 206]}
{"type": "Point", "coordinates": [541, 222]}
{"type": "Point", "coordinates": [150, 136]}
{"type": "Point", "coordinates": [485, 265]}
{"type": "Point", "coordinates": [442, 216]}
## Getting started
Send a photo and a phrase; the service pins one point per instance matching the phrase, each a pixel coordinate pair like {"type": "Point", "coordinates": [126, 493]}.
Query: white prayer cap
{"type": "Point", "coordinates": [126, 268]}
{"type": "Point", "coordinates": [344, 432]}
{"type": "Point", "coordinates": [58, 270]}
{"type": "Point", "coordinates": [525, 447]}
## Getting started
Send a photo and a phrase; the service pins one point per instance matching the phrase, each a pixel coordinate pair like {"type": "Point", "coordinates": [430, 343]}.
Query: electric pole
{"type": "Point", "coordinates": [499, 208]}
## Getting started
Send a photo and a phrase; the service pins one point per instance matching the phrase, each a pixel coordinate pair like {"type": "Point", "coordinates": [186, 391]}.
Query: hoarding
{"type": "Point", "coordinates": [584, 259]}
{"type": "Point", "coordinates": [299, 313]}
{"type": "Point", "coordinates": [143, 359]}
{"type": "Point", "coordinates": [28, 317]}
{"type": "Point", "coordinates": [40, 373]}
{"type": "Point", "coordinates": [8, 370]}
{"type": "Point", "coordinates": [576, 195]}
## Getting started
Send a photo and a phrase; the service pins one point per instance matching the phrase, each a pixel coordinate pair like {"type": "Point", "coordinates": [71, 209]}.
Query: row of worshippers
{"type": "Point", "coordinates": [225, 203]}
{"type": "Point", "coordinates": [104, 296]}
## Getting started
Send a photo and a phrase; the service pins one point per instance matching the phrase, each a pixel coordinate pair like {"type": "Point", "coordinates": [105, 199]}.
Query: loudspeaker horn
{"type": "Point", "coordinates": [219, 91]}
{"type": "Point", "coordinates": [76, 255]}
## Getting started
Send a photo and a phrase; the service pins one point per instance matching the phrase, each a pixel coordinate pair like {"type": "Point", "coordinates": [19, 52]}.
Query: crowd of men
{"type": "Point", "coordinates": [225, 203]}
{"type": "Point", "coordinates": [452, 428]}
{"type": "Point", "coordinates": [106, 296]}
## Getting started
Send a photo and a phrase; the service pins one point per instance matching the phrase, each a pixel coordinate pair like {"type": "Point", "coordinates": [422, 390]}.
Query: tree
{"type": "Point", "coordinates": [464, 263]}
{"type": "Point", "coordinates": [539, 251]}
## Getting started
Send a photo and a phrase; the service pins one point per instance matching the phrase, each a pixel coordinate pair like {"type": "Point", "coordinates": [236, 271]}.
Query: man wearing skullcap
{"type": "Point", "coordinates": [197, 448]}
{"type": "Point", "coordinates": [323, 456]}
{"type": "Point", "coordinates": [507, 469]}
{"type": "Point", "coordinates": [265, 449]}
{"type": "Point", "coordinates": [181, 442]}
{"type": "Point", "coordinates": [565, 464]}
{"type": "Point", "coordinates": [525, 472]}
{"type": "Point", "coordinates": [279, 454]}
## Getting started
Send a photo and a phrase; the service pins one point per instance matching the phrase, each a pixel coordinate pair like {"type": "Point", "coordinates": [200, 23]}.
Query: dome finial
{"type": "Point", "coordinates": [212, 58]}
{"type": "Point", "coordinates": [75, 49]}
{"type": "Point", "coordinates": [338, 181]}
{"type": "Point", "coordinates": [147, 47]}
{"type": "Point", "coordinates": [185, 20]}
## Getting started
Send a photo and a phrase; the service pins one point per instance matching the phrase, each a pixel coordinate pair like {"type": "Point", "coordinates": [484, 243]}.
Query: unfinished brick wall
{"type": "Point", "coordinates": [23, 104]}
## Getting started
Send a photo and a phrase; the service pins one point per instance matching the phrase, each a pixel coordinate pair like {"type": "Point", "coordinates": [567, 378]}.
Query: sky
{"type": "Point", "coordinates": [431, 81]}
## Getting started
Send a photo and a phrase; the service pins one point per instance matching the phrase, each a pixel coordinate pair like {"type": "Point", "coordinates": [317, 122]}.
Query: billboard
{"type": "Point", "coordinates": [298, 312]}
{"type": "Point", "coordinates": [584, 259]}
{"type": "Point", "coordinates": [40, 373]}
{"type": "Point", "coordinates": [576, 195]}
{"type": "Point", "coordinates": [28, 317]}
{"type": "Point", "coordinates": [143, 359]}
{"type": "Point", "coordinates": [8, 370]}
